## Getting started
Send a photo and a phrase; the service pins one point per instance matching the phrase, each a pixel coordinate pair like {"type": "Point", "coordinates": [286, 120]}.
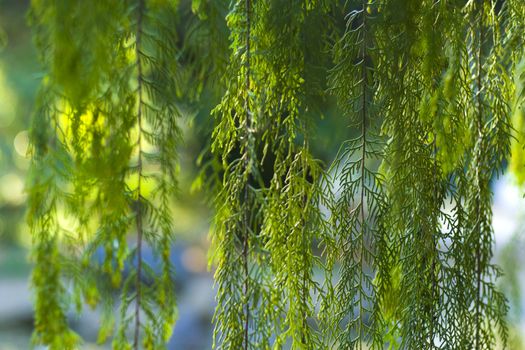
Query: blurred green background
{"type": "Point", "coordinates": [20, 74]}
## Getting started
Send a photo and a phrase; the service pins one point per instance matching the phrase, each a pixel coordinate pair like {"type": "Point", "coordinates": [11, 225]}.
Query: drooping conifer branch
{"type": "Point", "coordinates": [240, 271]}
{"type": "Point", "coordinates": [96, 115]}
{"type": "Point", "coordinates": [247, 160]}
{"type": "Point", "coordinates": [45, 198]}
{"type": "Point", "coordinates": [437, 43]}
{"type": "Point", "coordinates": [139, 210]}
{"type": "Point", "coordinates": [157, 124]}
{"type": "Point", "coordinates": [362, 222]}
{"type": "Point", "coordinates": [488, 119]}
{"type": "Point", "coordinates": [356, 211]}
{"type": "Point", "coordinates": [515, 47]}
{"type": "Point", "coordinates": [292, 215]}
{"type": "Point", "coordinates": [408, 165]}
{"type": "Point", "coordinates": [50, 173]}
{"type": "Point", "coordinates": [479, 130]}
{"type": "Point", "coordinates": [443, 111]}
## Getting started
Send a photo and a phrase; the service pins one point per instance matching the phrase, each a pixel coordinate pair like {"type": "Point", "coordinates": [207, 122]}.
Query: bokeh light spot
{"type": "Point", "coordinates": [21, 143]}
{"type": "Point", "coordinates": [12, 189]}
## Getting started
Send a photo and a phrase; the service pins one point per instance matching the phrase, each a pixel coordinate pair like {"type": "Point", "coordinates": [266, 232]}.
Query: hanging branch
{"type": "Point", "coordinates": [247, 160]}
{"type": "Point", "coordinates": [355, 213]}
{"type": "Point", "coordinates": [53, 166]}
{"type": "Point", "coordinates": [444, 111]}
{"type": "Point", "coordinates": [156, 121]}
{"type": "Point", "coordinates": [46, 195]}
{"type": "Point", "coordinates": [292, 217]}
{"type": "Point", "coordinates": [489, 120]}
{"type": "Point", "coordinates": [409, 167]}
{"type": "Point", "coordinates": [514, 47]}
{"type": "Point", "coordinates": [478, 166]}
{"type": "Point", "coordinates": [240, 318]}
{"type": "Point", "coordinates": [139, 213]}
{"type": "Point", "coordinates": [441, 35]}
{"type": "Point", "coordinates": [95, 113]}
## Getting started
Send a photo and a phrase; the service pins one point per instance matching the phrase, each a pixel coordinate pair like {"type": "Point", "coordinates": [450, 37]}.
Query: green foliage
{"type": "Point", "coordinates": [115, 126]}
{"type": "Point", "coordinates": [49, 169]}
{"type": "Point", "coordinates": [389, 246]}
{"type": "Point", "coordinates": [359, 203]}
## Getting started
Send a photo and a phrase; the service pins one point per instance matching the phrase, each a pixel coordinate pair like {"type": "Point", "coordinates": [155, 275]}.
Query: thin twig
{"type": "Point", "coordinates": [140, 11]}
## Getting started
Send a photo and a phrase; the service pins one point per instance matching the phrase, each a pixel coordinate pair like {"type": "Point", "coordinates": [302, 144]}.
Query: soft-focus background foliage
{"type": "Point", "coordinates": [19, 80]}
{"type": "Point", "coordinates": [20, 75]}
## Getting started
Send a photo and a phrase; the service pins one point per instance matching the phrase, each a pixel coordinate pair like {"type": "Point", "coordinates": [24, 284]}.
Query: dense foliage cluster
{"type": "Point", "coordinates": [389, 245]}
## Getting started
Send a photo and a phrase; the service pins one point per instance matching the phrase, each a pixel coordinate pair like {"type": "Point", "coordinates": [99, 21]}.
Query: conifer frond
{"type": "Point", "coordinates": [488, 118]}
{"type": "Point", "coordinates": [240, 318]}
{"type": "Point", "coordinates": [358, 204]}
{"type": "Point", "coordinates": [49, 174]}
{"type": "Point", "coordinates": [292, 218]}
{"type": "Point", "coordinates": [96, 120]}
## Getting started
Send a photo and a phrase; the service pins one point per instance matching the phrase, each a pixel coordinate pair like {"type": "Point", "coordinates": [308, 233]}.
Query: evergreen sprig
{"type": "Point", "coordinates": [359, 200]}
{"type": "Point", "coordinates": [105, 112]}
{"type": "Point", "coordinates": [240, 322]}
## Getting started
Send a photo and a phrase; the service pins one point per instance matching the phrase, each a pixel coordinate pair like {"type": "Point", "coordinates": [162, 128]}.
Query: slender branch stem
{"type": "Point", "coordinates": [304, 276]}
{"type": "Point", "coordinates": [304, 242]}
{"type": "Point", "coordinates": [434, 241]}
{"type": "Point", "coordinates": [248, 126]}
{"type": "Point", "coordinates": [140, 11]}
{"type": "Point", "coordinates": [479, 126]}
{"type": "Point", "coordinates": [364, 112]}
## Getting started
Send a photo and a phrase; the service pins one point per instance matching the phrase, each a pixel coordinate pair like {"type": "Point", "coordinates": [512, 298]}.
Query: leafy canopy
{"type": "Point", "coordinates": [387, 245]}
